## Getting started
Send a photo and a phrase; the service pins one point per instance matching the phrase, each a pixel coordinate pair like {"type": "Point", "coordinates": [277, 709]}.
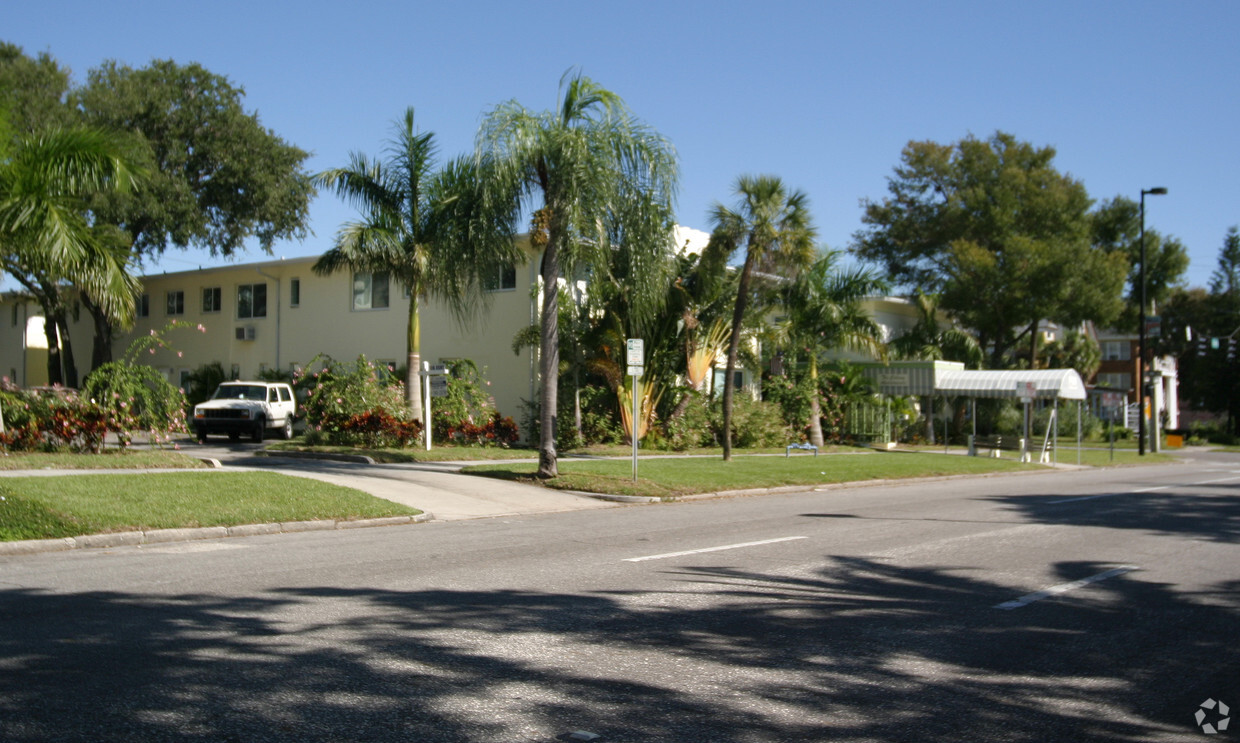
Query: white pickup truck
{"type": "Point", "coordinates": [246, 407]}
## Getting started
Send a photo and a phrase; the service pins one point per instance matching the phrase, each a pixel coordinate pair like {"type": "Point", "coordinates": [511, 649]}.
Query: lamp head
{"type": "Point", "coordinates": [1156, 191]}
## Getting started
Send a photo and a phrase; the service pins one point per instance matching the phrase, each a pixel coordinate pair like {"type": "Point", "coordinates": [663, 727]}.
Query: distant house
{"type": "Point", "coordinates": [1121, 369]}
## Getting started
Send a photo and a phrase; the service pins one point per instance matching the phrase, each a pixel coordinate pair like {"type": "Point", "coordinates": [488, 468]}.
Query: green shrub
{"type": "Point", "coordinates": [354, 405]}
{"type": "Point", "coordinates": [135, 396]}
{"type": "Point", "coordinates": [693, 428]}
{"type": "Point", "coordinates": [1091, 427]}
{"type": "Point", "coordinates": [756, 423]}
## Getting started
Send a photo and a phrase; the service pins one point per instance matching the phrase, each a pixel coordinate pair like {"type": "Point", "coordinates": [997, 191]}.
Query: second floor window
{"type": "Point", "coordinates": [176, 302]}
{"type": "Point", "coordinates": [1116, 351]}
{"type": "Point", "coordinates": [370, 290]}
{"type": "Point", "coordinates": [251, 301]}
{"type": "Point", "coordinates": [211, 299]}
{"type": "Point", "coordinates": [294, 293]}
{"type": "Point", "coordinates": [144, 305]}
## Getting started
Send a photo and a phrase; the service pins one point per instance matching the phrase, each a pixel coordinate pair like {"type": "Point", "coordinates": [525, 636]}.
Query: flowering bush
{"type": "Point", "coordinates": [355, 404]}
{"type": "Point", "coordinates": [455, 417]}
{"type": "Point", "coordinates": [379, 429]}
{"type": "Point", "coordinates": [497, 431]}
{"type": "Point", "coordinates": [52, 419]}
{"type": "Point", "coordinates": [137, 397]}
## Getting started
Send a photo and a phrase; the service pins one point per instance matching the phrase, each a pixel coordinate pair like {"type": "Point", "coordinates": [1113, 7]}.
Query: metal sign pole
{"type": "Point", "coordinates": [426, 396]}
{"type": "Point", "coordinates": [635, 356]}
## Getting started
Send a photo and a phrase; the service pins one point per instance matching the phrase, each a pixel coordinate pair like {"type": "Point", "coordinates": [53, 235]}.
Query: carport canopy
{"type": "Point", "coordinates": [1051, 384]}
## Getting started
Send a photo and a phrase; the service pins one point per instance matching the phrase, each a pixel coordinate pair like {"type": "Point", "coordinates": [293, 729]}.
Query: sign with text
{"type": "Point", "coordinates": [635, 352]}
{"type": "Point", "coordinates": [1026, 391]}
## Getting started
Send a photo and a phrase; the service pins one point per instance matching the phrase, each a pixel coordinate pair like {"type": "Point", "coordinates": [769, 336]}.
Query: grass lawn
{"type": "Point", "coordinates": [110, 459]}
{"type": "Point", "coordinates": [668, 478]}
{"type": "Point", "coordinates": [73, 505]}
{"type": "Point", "coordinates": [411, 454]}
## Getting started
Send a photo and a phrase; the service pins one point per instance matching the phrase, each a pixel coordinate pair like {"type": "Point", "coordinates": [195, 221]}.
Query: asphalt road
{"type": "Point", "coordinates": [1065, 606]}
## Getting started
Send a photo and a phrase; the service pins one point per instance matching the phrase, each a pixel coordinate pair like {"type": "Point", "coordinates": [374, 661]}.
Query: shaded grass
{"type": "Point", "coordinates": [73, 505]}
{"type": "Point", "coordinates": [106, 460]}
{"type": "Point", "coordinates": [673, 477]}
{"type": "Point", "coordinates": [412, 454]}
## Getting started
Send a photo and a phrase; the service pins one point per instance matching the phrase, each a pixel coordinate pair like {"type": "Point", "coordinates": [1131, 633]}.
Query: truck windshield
{"type": "Point", "coordinates": [240, 392]}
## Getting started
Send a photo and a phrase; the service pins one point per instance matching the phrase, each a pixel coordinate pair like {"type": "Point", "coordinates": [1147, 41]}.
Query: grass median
{"type": "Point", "coordinates": [109, 459]}
{"type": "Point", "coordinates": [681, 476]}
{"type": "Point", "coordinates": [75, 505]}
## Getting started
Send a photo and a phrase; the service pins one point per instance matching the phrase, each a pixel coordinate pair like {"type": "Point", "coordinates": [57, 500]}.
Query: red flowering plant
{"type": "Point", "coordinates": [52, 418]}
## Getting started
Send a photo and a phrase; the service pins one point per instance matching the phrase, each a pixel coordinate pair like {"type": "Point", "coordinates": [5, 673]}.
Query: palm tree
{"type": "Point", "coordinates": [601, 180]}
{"type": "Point", "coordinates": [45, 236]}
{"type": "Point", "coordinates": [774, 227]}
{"type": "Point", "coordinates": [823, 312]}
{"type": "Point", "coordinates": [441, 234]}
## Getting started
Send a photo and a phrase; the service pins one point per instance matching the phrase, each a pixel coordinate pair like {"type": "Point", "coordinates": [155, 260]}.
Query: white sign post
{"type": "Point", "coordinates": [434, 384]}
{"type": "Point", "coordinates": [635, 358]}
{"type": "Point", "coordinates": [1027, 391]}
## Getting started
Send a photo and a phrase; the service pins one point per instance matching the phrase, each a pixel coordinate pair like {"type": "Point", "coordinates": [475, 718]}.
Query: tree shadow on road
{"type": "Point", "coordinates": [1211, 514]}
{"type": "Point", "coordinates": [854, 650]}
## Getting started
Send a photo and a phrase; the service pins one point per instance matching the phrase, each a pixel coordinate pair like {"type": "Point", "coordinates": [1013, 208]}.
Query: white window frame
{"type": "Point", "coordinates": [241, 290]}
{"type": "Point", "coordinates": [216, 303]}
{"type": "Point", "coordinates": [364, 291]}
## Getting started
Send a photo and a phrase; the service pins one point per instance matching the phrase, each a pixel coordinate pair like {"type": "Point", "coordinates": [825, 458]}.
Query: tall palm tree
{"type": "Point", "coordinates": [823, 312]}
{"type": "Point", "coordinates": [602, 180]}
{"type": "Point", "coordinates": [45, 236]}
{"type": "Point", "coordinates": [774, 228]}
{"type": "Point", "coordinates": [442, 234]}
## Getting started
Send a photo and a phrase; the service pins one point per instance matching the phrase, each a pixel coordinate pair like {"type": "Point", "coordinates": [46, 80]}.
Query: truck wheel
{"type": "Point", "coordinates": [286, 432]}
{"type": "Point", "coordinates": [259, 426]}
{"type": "Point", "coordinates": [202, 435]}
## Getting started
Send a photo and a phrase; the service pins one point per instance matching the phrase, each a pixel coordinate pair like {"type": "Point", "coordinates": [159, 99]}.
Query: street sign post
{"type": "Point", "coordinates": [635, 358]}
{"type": "Point", "coordinates": [434, 384]}
{"type": "Point", "coordinates": [1026, 391]}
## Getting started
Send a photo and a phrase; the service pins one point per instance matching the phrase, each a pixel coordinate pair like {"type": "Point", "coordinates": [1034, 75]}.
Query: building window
{"type": "Point", "coordinates": [186, 374]}
{"type": "Point", "coordinates": [294, 293]}
{"type": "Point", "coordinates": [176, 302]}
{"type": "Point", "coordinates": [1116, 351]}
{"type": "Point", "coordinates": [504, 279]}
{"type": "Point", "coordinates": [211, 299]}
{"type": "Point", "coordinates": [144, 305]}
{"type": "Point", "coordinates": [1115, 381]}
{"type": "Point", "coordinates": [370, 290]}
{"type": "Point", "coordinates": [235, 372]}
{"type": "Point", "coordinates": [251, 301]}
{"type": "Point", "coordinates": [14, 314]}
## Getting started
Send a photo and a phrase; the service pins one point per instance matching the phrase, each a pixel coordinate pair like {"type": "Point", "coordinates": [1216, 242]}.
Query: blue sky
{"type": "Point", "coordinates": [825, 95]}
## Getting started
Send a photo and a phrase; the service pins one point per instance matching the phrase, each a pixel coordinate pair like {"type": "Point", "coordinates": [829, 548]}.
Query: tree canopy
{"type": "Point", "coordinates": [599, 180]}
{"type": "Point", "coordinates": [998, 233]}
{"type": "Point", "coordinates": [773, 227]}
{"type": "Point", "coordinates": [435, 231]}
{"type": "Point", "coordinates": [218, 176]}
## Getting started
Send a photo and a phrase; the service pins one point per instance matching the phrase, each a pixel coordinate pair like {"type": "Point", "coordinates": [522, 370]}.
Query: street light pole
{"type": "Point", "coordinates": [1141, 365]}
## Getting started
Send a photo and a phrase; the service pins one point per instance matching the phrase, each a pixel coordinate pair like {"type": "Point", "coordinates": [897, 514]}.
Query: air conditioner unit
{"type": "Point", "coordinates": [245, 333]}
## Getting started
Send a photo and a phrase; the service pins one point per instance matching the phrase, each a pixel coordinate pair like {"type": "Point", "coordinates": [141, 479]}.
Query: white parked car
{"type": "Point", "coordinates": [250, 408]}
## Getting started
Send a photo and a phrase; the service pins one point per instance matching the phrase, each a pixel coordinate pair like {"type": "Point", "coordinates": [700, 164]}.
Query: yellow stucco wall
{"type": "Point", "coordinates": [323, 322]}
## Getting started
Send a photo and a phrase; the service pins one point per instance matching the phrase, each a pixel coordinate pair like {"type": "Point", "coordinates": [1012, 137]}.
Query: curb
{"type": "Point", "coordinates": [163, 536]}
{"type": "Point", "coordinates": [355, 458]}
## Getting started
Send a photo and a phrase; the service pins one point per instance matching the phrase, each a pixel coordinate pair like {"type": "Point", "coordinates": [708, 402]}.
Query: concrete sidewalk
{"type": "Point", "coordinates": [446, 494]}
